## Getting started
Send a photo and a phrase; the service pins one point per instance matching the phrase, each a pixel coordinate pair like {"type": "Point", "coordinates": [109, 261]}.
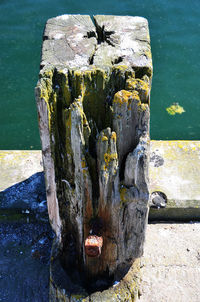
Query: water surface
{"type": "Point", "coordinates": [174, 29]}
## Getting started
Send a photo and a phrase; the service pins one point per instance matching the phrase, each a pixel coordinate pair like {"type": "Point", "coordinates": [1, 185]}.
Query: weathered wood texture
{"type": "Point", "coordinates": [65, 286]}
{"type": "Point", "coordinates": [93, 107]}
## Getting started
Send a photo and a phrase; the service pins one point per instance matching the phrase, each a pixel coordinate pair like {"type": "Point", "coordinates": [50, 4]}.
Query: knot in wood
{"type": "Point", "coordinates": [93, 245]}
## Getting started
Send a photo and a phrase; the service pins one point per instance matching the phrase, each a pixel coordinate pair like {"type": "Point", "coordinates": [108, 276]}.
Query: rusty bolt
{"type": "Point", "coordinates": [93, 245]}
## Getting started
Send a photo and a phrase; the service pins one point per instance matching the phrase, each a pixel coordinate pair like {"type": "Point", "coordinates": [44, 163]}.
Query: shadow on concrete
{"type": "Point", "coordinates": [28, 194]}
{"type": "Point", "coordinates": [25, 239]}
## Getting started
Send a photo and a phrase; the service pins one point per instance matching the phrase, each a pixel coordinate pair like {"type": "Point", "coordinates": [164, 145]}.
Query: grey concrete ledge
{"type": "Point", "coordinates": [174, 171]}
{"type": "Point", "coordinates": [22, 181]}
{"type": "Point", "coordinates": [18, 165]}
{"type": "Point", "coordinates": [174, 174]}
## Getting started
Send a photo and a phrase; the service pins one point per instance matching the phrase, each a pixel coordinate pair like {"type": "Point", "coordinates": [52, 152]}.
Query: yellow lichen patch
{"type": "Point", "coordinates": [84, 167]}
{"type": "Point", "coordinates": [143, 107]}
{"type": "Point", "coordinates": [104, 167]}
{"type": "Point", "coordinates": [121, 67]}
{"type": "Point", "coordinates": [48, 95]}
{"type": "Point", "coordinates": [47, 74]}
{"type": "Point", "coordinates": [108, 157]}
{"type": "Point", "coordinates": [85, 122]}
{"type": "Point", "coordinates": [45, 97]}
{"type": "Point", "coordinates": [83, 163]}
{"type": "Point", "coordinates": [114, 136]}
{"type": "Point", "coordinates": [104, 138]}
{"type": "Point", "coordinates": [46, 83]}
{"type": "Point", "coordinates": [175, 108]}
{"type": "Point", "coordinates": [43, 93]}
{"type": "Point", "coordinates": [45, 88]}
{"type": "Point", "coordinates": [88, 74]}
{"type": "Point", "coordinates": [54, 98]}
{"type": "Point", "coordinates": [122, 97]}
{"type": "Point", "coordinates": [139, 85]}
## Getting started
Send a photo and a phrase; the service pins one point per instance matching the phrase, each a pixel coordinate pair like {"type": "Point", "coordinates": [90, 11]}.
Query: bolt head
{"type": "Point", "coordinates": [93, 245]}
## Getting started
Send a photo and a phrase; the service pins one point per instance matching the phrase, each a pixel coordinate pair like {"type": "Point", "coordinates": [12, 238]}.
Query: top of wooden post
{"type": "Point", "coordinates": [75, 41]}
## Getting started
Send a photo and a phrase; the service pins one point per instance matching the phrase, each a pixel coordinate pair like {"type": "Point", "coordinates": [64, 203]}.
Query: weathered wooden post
{"type": "Point", "coordinates": [93, 106]}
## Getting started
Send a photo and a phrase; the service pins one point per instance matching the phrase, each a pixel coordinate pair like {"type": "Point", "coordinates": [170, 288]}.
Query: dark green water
{"type": "Point", "coordinates": [174, 30]}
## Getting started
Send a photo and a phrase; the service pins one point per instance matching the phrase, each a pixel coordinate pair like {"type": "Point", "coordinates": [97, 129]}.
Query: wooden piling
{"type": "Point", "coordinates": [93, 106]}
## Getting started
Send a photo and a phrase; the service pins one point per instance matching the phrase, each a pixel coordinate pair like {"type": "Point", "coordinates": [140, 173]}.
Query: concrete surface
{"type": "Point", "coordinates": [22, 181]}
{"type": "Point", "coordinates": [174, 171]}
{"type": "Point", "coordinates": [171, 263]}
{"type": "Point", "coordinates": [18, 165]}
